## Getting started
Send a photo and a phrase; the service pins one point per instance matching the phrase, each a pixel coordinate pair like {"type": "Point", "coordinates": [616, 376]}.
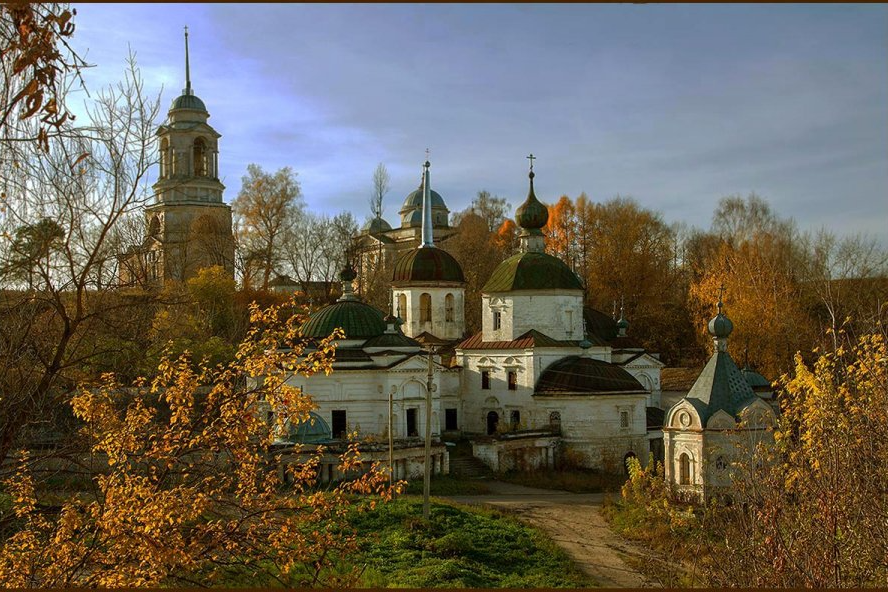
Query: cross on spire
{"type": "Point", "coordinates": [721, 293]}
{"type": "Point", "coordinates": [531, 158]}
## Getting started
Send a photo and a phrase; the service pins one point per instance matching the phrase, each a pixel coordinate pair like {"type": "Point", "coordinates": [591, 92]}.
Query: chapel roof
{"type": "Point", "coordinates": [532, 271]}
{"type": "Point", "coordinates": [582, 375]}
{"type": "Point", "coordinates": [426, 264]}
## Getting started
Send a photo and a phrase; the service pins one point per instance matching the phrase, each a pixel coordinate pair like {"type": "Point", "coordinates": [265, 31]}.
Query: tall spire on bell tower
{"type": "Point", "coordinates": [428, 239]}
{"type": "Point", "coordinates": [187, 89]}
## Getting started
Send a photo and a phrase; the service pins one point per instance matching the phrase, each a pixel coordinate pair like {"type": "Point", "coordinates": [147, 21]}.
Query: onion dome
{"type": "Point", "coordinates": [532, 214]}
{"type": "Point", "coordinates": [426, 264]}
{"type": "Point", "coordinates": [377, 225]}
{"type": "Point", "coordinates": [720, 327]}
{"type": "Point", "coordinates": [583, 375]}
{"type": "Point", "coordinates": [532, 271]}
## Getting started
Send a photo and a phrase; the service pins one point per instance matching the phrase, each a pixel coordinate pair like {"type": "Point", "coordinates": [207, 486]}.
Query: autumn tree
{"type": "Point", "coordinates": [491, 208]}
{"type": "Point", "coordinates": [189, 485]}
{"type": "Point", "coordinates": [811, 511]}
{"type": "Point", "coordinates": [315, 248]}
{"type": "Point", "coordinates": [37, 66]}
{"type": "Point", "coordinates": [477, 250]}
{"type": "Point", "coordinates": [267, 207]}
{"type": "Point", "coordinates": [760, 259]}
{"type": "Point", "coordinates": [56, 250]}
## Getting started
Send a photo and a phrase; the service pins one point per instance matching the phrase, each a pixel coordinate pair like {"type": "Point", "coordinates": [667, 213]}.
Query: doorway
{"type": "Point", "coordinates": [492, 422]}
{"type": "Point", "coordinates": [412, 429]}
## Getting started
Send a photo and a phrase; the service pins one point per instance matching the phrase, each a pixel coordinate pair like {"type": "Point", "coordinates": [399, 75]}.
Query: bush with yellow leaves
{"type": "Point", "coordinates": [188, 493]}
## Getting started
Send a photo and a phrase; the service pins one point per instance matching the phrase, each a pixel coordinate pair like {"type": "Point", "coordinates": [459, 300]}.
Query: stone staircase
{"type": "Point", "coordinates": [463, 464]}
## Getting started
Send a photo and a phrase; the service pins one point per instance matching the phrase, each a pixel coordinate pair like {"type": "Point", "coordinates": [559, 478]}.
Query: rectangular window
{"type": "Point", "coordinates": [624, 419]}
{"type": "Point", "coordinates": [339, 424]}
{"type": "Point", "coordinates": [485, 379]}
{"type": "Point", "coordinates": [497, 321]}
{"type": "Point", "coordinates": [412, 429]}
{"type": "Point", "coordinates": [450, 419]}
{"type": "Point", "coordinates": [513, 380]}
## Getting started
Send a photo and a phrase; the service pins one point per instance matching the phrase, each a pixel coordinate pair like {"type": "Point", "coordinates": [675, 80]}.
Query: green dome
{"type": "Point", "coordinates": [532, 271]}
{"type": "Point", "coordinates": [427, 264]}
{"type": "Point", "coordinates": [357, 319]}
{"type": "Point", "coordinates": [720, 326]}
{"type": "Point", "coordinates": [414, 200]}
{"type": "Point", "coordinates": [532, 214]}
{"type": "Point", "coordinates": [188, 102]}
{"type": "Point", "coordinates": [754, 379]}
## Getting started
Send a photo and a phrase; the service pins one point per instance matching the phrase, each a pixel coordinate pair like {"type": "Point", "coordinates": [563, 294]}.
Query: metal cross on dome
{"type": "Point", "coordinates": [531, 158]}
{"type": "Point", "coordinates": [721, 293]}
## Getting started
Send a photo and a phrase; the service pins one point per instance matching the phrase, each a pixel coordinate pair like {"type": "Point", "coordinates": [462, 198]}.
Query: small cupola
{"type": "Point", "coordinates": [532, 216]}
{"type": "Point", "coordinates": [720, 327]}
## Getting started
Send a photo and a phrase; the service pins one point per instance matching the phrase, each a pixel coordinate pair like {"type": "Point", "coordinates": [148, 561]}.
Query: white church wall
{"type": "Point", "coordinates": [557, 314]}
{"type": "Point", "coordinates": [439, 326]}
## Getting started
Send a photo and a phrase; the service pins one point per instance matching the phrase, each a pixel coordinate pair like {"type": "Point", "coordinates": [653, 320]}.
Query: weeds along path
{"type": "Point", "coordinates": [574, 522]}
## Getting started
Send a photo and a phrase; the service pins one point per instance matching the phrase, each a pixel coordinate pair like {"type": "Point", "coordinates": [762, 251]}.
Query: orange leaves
{"type": "Point", "coordinates": [188, 486]}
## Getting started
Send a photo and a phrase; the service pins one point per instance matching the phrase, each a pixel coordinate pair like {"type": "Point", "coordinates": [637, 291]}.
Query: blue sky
{"type": "Point", "coordinates": [674, 105]}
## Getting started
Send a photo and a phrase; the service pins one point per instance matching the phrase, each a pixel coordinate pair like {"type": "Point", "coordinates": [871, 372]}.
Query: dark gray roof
{"type": "Point", "coordinates": [577, 375]}
{"type": "Point", "coordinates": [720, 386]}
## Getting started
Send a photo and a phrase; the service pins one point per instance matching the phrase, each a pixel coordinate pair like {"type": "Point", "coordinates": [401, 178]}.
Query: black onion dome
{"type": "Point", "coordinates": [358, 319]}
{"type": "Point", "coordinates": [532, 214]}
{"type": "Point", "coordinates": [427, 264]}
{"type": "Point", "coordinates": [581, 375]}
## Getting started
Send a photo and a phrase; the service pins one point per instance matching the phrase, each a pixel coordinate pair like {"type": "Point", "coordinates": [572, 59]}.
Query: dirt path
{"type": "Point", "coordinates": [574, 522]}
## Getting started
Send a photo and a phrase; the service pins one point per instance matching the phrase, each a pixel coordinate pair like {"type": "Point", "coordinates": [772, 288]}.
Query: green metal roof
{"type": "Point", "coordinates": [357, 319]}
{"type": "Point", "coordinates": [188, 102]}
{"type": "Point", "coordinates": [427, 264]}
{"type": "Point", "coordinates": [720, 386]}
{"type": "Point", "coordinates": [754, 379]}
{"type": "Point", "coordinates": [391, 340]}
{"type": "Point", "coordinates": [377, 224]}
{"type": "Point", "coordinates": [532, 271]}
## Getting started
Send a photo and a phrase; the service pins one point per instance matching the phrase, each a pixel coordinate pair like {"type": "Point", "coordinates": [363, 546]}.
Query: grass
{"type": "Point", "coordinates": [574, 481]}
{"type": "Point", "coordinates": [449, 485]}
{"type": "Point", "coordinates": [459, 547]}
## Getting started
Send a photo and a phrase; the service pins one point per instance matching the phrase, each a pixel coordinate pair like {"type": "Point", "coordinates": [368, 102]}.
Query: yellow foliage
{"type": "Point", "coordinates": [190, 493]}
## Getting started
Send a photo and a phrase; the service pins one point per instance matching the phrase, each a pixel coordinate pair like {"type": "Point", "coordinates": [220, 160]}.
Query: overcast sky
{"type": "Point", "coordinates": [674, 105]}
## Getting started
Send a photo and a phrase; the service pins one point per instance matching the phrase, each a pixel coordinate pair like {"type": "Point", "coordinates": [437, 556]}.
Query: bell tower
{"type": "Point", "coordinates": [189, 226]}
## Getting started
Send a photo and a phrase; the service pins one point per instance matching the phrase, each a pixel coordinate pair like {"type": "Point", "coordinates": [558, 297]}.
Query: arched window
{"type": "Point", "coordinates": [448, 308]}
{"type": "Point", "coordinates": [402, 306]}
{"type": "Point", "coordinates": [425, 308]}
{"type": "Point", "coordinates": [164, 158]}
{"type": "Point", "coordinates": [200, 158]}
{"type": "Point", "coordinates": [684, 469]}
{"type": "Point", "coordinates": [555, 421]}
{"type": "Point", "coordinates": [154, 226]}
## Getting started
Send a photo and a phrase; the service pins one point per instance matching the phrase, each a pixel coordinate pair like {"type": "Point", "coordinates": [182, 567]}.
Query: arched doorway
{"type": "Point", "coordinates": [492, 422]}
{"type": "Point", "coordinates": [684, 469]}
